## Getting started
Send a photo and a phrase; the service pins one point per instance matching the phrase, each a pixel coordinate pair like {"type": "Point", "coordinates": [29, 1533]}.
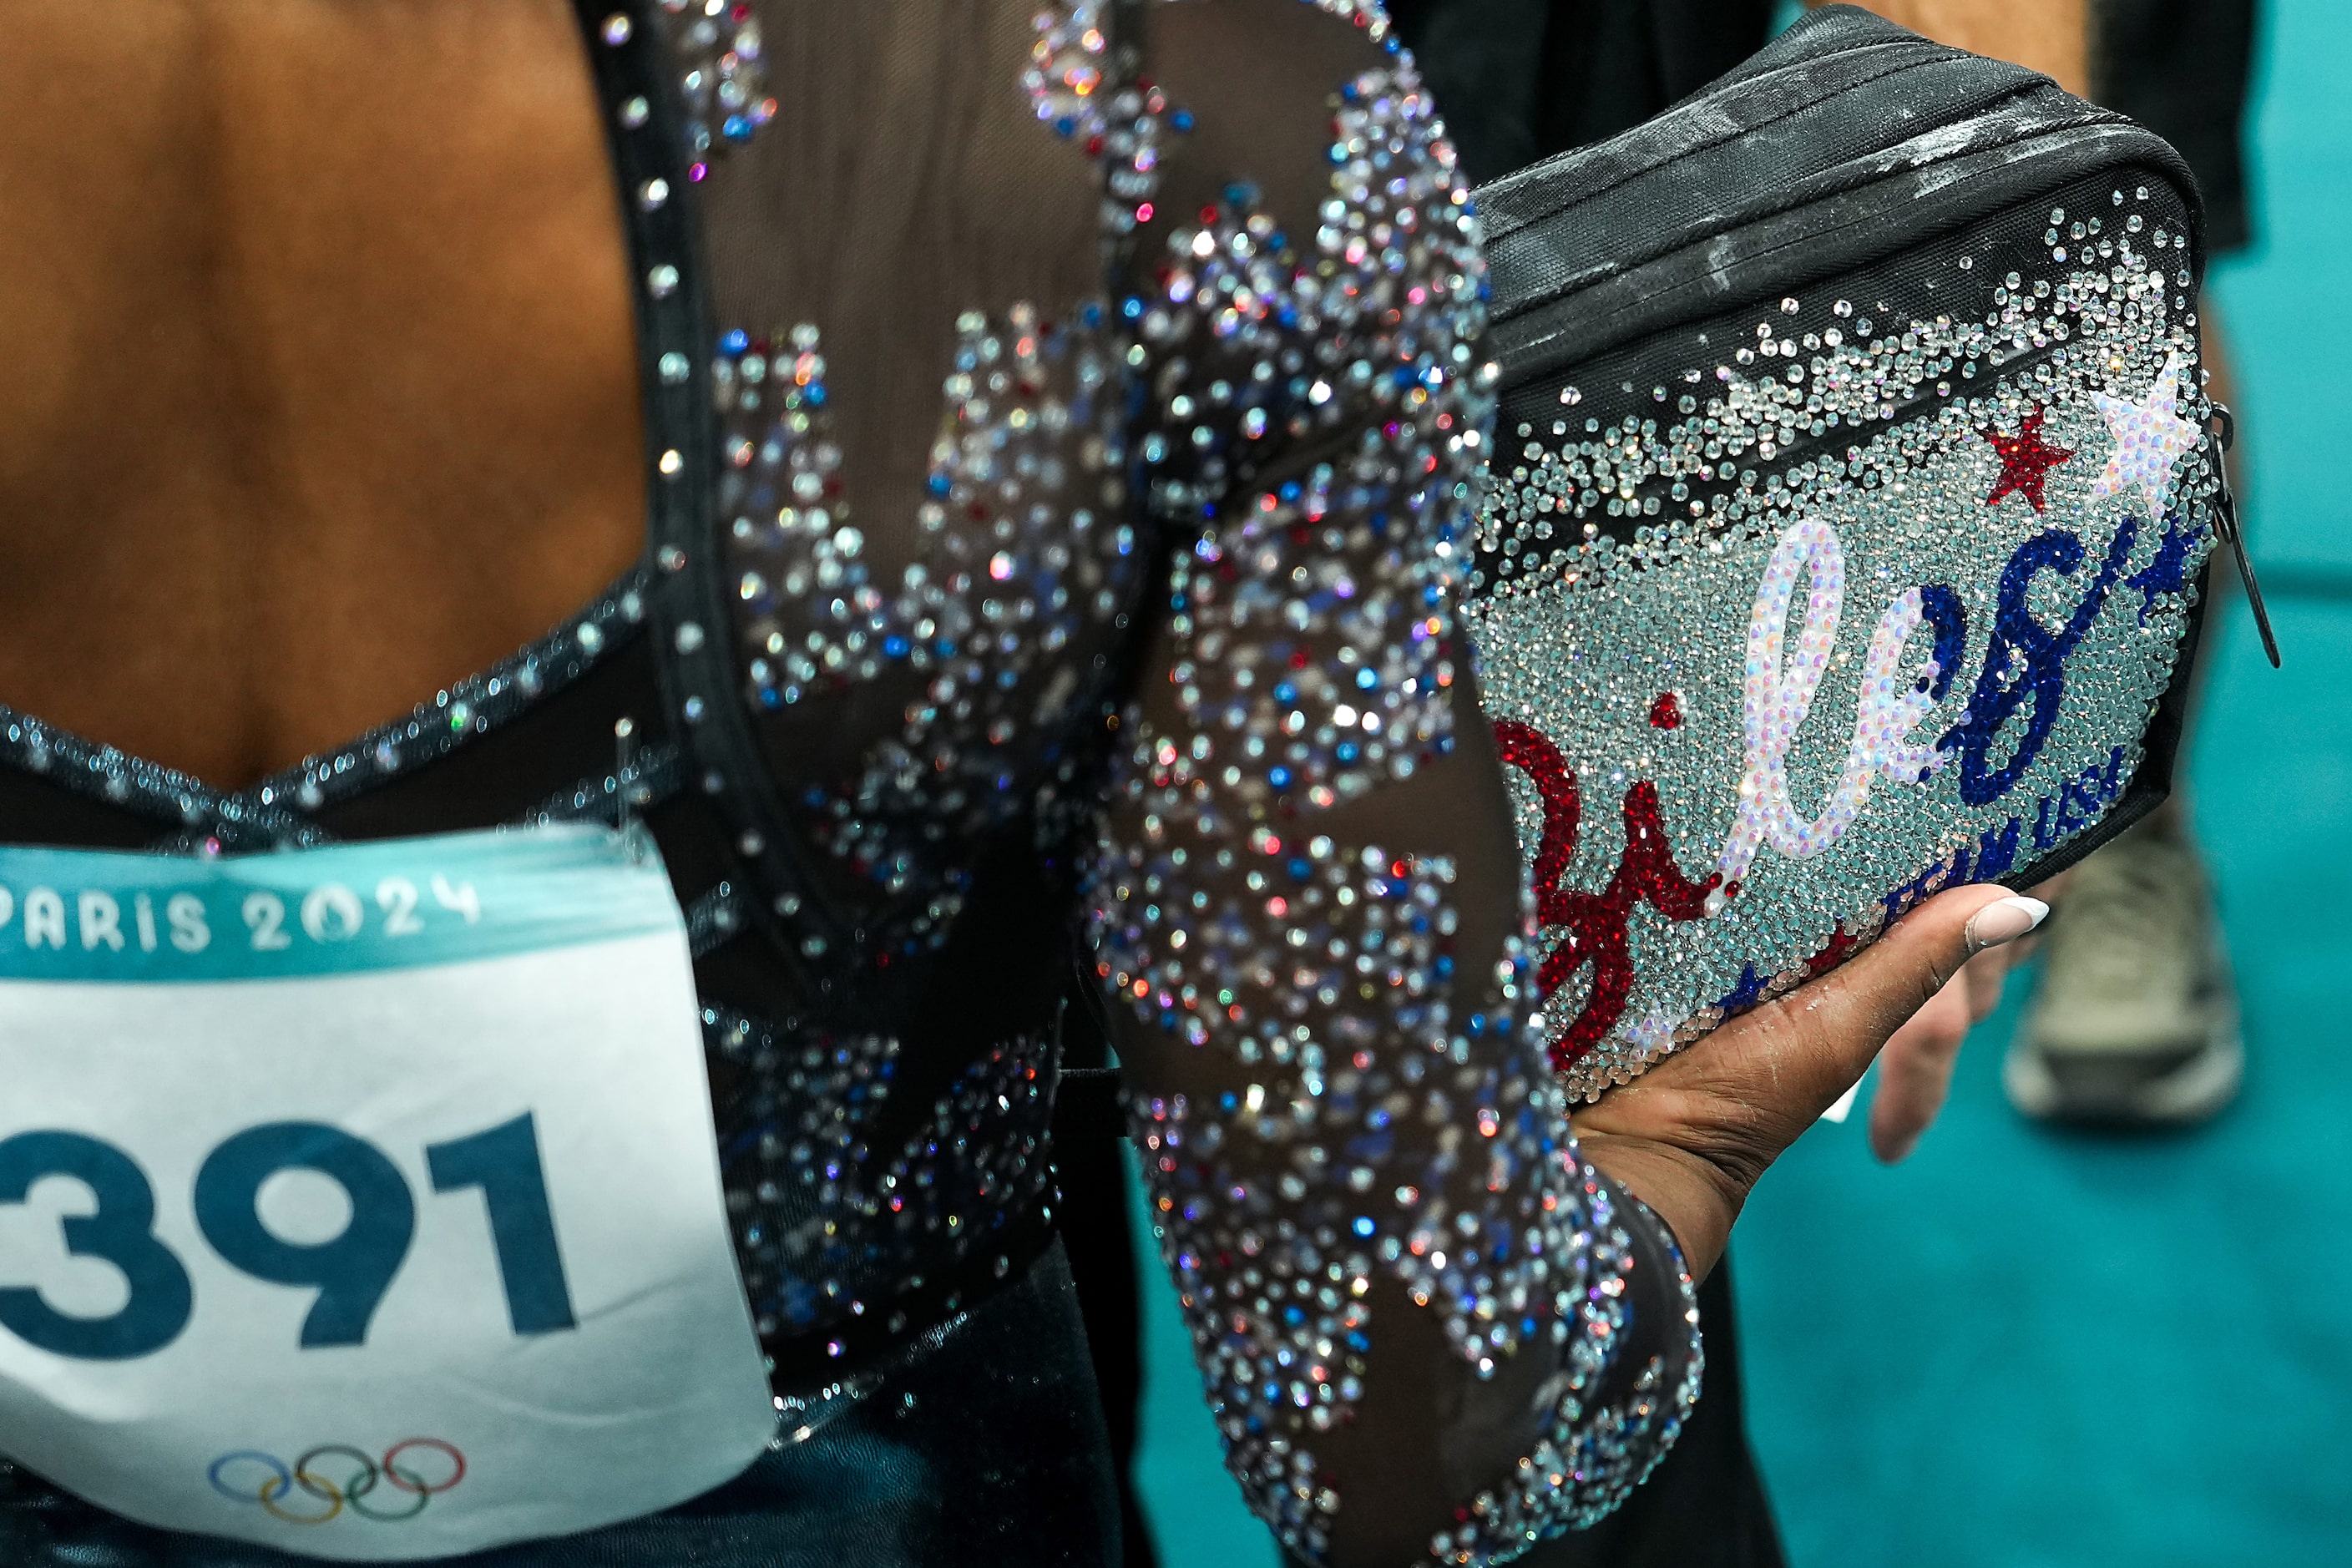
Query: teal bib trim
{"type": "Point", "coordinates": [84, 916]}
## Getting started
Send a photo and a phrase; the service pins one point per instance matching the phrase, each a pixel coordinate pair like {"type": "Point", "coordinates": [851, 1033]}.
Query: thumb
{"type": "Point", "coordinates": [1855, 1008]}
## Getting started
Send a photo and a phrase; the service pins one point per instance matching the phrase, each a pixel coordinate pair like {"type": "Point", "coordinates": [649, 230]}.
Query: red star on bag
{"type": "Point", "coordinates": [2026, 460]}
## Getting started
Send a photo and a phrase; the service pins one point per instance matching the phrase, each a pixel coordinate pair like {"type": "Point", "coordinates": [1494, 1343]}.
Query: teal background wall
{"type": "Point", "coordinates": [2023, 1349]}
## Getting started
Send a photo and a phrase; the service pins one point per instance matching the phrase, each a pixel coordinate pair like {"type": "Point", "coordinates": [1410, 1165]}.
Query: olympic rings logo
{"type": "Point", "coordinates": [334, 1477]}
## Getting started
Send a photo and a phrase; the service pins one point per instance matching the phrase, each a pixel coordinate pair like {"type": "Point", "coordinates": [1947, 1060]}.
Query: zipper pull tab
{"type": "Point", "coordinates": [2225, 522]}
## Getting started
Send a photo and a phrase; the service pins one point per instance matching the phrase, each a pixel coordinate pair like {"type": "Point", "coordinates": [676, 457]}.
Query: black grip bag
{"type": "Point", "coordinates": [1851, 492]}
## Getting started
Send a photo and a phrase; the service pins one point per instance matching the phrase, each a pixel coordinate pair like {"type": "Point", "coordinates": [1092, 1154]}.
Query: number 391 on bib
{"type": "Point", "coordinates": [338, 1177]}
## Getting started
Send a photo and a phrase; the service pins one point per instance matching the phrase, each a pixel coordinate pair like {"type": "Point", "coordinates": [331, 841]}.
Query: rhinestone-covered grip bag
{"type": "Point", "coordinates": [1852, 490]}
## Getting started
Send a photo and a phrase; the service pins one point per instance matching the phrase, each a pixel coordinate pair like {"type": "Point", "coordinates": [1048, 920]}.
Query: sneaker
{"type": "Point", "coordinates": [2135, 1018]}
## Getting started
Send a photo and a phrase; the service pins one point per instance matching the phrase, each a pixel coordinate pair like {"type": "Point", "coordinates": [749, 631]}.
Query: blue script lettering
{"type": "Point", "coordinates": [2026, 659]}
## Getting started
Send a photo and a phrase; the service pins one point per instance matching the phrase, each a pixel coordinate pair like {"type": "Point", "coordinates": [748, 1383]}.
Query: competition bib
{"type": "Point", "coordinates": [363, 1202]}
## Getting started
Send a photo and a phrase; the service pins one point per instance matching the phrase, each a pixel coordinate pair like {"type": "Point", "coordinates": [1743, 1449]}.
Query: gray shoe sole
{"type": "Point", "coordinates": [2190, 1093]}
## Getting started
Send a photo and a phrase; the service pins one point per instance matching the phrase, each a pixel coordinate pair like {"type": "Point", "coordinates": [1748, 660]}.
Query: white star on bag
{"type": "Point", "coordinates": [2150, 440]}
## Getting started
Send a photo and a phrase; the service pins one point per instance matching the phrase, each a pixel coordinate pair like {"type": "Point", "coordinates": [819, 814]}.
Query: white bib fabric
{"type": "Point", "coordinates": [363, 1201]}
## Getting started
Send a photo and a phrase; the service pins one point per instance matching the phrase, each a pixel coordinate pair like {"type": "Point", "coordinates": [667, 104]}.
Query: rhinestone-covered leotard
{"type": "Point", "coordinates": [1139, 645]}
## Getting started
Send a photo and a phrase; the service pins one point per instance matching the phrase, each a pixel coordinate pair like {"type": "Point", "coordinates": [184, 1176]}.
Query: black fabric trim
{"type": "Point", "coordinates": [651, 778]}
{"type": "Point", "coordinates": [694, 650]}
{"type": "Point", "coordinates": [500, 771]}
{"type": "Point", "coordinates": [136, 787]}
{"type": "Point", "coordinates": [38, 810]}
{"type": "Point", "coordinates": [368, 778]}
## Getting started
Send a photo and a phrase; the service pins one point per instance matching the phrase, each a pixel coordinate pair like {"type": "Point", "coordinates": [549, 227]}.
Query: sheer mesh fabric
{"type": "Point", "coordinates": [1210, 429]}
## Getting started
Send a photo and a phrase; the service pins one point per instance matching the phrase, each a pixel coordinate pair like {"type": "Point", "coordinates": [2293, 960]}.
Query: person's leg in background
{"type": "Point", "coordinates": [2134, 1019]}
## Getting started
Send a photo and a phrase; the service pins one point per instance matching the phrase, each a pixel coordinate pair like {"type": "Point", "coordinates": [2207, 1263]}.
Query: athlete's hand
{"type": "Point", "coordinates": [1690, 1137]}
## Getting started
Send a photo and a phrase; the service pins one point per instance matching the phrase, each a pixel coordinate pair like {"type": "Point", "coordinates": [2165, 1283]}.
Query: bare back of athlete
{"type": "Point", "coordinates": [318, 386]}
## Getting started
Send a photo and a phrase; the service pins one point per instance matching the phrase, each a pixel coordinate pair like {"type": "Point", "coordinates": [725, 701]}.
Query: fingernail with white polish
{"type": "Point", "coordinates": [2004, 921]}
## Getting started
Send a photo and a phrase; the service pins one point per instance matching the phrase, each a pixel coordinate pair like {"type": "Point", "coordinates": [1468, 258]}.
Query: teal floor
{"type": "Point", "coordinates": [2022, 1350]}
